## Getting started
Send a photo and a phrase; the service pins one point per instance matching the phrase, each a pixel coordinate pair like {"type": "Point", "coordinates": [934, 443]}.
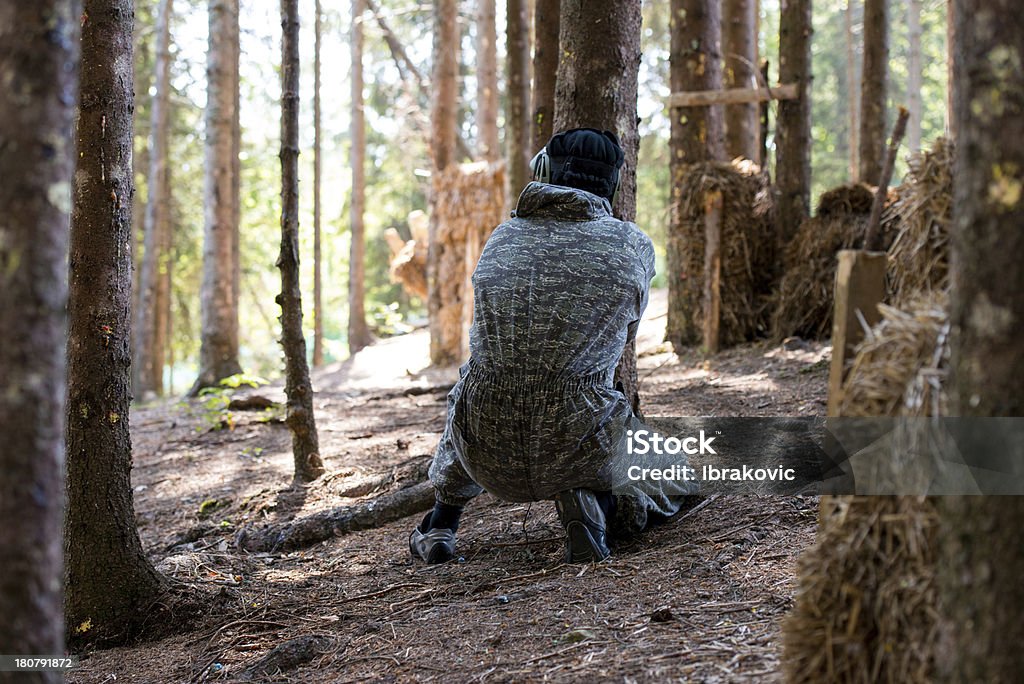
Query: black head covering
{"type": "Point", "coordinates": [586, 158]}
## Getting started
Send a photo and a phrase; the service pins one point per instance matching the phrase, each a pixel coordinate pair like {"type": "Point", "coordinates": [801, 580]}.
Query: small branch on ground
{"type": "Point", "coordinates": [319, 527]}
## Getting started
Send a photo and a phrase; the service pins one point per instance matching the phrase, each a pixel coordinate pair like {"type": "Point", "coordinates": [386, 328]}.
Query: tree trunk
{"type": "Point", "coordinates": [983, 536]}
{"type": "Point", "coordinates": [40, 63]}
{"type": "Point", "coordinates": [218, 353]}
{"type": "Point", "coordinates": [358, 332]}
{"type": "Point", "coordinates": [951, 85]}
{"type": "Point", "coordinates": [142, 78]}
{"type": "Point", "coordinates": [110, 583]}
{"type": "Point", "coordinates": [914, 75]}
{"type": "Point", "coordinates": [597, 88]}
{"type": "Point", "coordinates": [873, 89]}
{"type": "Point", "coordinates": [853, 90]}
{"type": "Point", "coordinates": [153, 296]}
{"type": "Point", "coordinates": [739, 67]}
{"type": "Point", "coordinates": [695, 136]}
{"type": "Point", "coordinates": [442, 144]}
{"type": "Point", "coordinates": [793, 138]}
{"type": "Point", "coordinates": [318, 309]}
{"type": "Point", "coordinates": [488, 147]}
{"type": "Point", "coordinates": [518, 116]}
{"type": "Point", "coordinates": [298, 388]}
{"type": "Point", "coordinates": [546, 24]}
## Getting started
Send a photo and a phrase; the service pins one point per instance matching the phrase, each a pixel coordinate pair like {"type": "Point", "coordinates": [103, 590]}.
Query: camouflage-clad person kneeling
{"type": "Point", "coordinates": [559, 290]}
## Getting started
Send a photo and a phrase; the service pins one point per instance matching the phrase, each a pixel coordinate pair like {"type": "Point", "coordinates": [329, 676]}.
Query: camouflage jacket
{"type": "Point", "coordinates": [558, 291]}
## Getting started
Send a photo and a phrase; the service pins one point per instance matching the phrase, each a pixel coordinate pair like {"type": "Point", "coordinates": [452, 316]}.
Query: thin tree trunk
{"type": "Point", "coordinates": [142, 77]}
{"type": "Point", "coordinates": [696, 135]}
{"type": "Point", "coordinates": [443, 114]}
{"type": "Point", "coordinates": [982, 542]}
{"type": "Point", "coordinates": [739, 51]}
{"type": "Point", "coordinates": [298, 388]}
{"type": "Point", "coordinates": [793, 138]}
{"type": "Point", "coordinates": [153, 297]}
{"type": "Point", "coordinates": [914, 75]}
{"type": "Point", "coordinates": [951, 85]}
{"type": "Point", "coordinates": [318, 310]}
{"type": "Point", "coordinates": [40, 61]}
{"type": "Point", "coordinates": [853, 65]}
{"type": "Point", "coordinates": [110, 583]}
{"type": "Point", "coordinates": [488, 147]}
{"type": "Point", "coordinates": [517, 119]}
{"type": "Point", "coordinates": [358, 332]}
{"type": "Point", "coordinates": [874, 89]}
{"type": "Point", "coordinates": [597, 88]}
{"type": "Point", "coordinates": [546, 23]}
{"type": "Point", "coordinates": [218, 353]}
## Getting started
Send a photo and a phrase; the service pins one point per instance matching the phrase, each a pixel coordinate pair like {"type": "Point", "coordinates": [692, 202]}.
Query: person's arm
{"type": "Point", "coordinates": [646, 271]}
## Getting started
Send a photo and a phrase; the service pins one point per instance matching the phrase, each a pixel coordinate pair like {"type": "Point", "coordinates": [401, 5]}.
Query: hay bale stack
{"type": "Point", "coordinates": [469, 203]}
{"type": "Point", "coordinates": [899, 367]}
{"type": "Point", "coordinates": [803, 305]}
{"type": "Point", "coordinates": [747, 251]}
{"type": "Point", "coordinates": [865, 608]}
{"type": "Point", "coordinates": [919, 255]}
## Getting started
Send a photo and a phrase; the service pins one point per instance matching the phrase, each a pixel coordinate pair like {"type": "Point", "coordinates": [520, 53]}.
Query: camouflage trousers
{"type": "Point", "coordinates": [526, 436]}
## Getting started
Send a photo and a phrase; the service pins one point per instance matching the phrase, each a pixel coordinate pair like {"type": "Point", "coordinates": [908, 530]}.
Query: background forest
{"type": "Point", "coordinates": [398, 161]}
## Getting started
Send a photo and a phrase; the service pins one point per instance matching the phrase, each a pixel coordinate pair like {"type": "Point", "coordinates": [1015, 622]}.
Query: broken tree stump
{"type": "Point", "coordinates": [859, 287]}
{"type": "Point", "coordinates": [318, 527]}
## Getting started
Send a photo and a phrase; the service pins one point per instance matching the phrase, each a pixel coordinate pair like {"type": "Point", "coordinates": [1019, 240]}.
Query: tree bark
{"type": "Point", "coordinates": [914, 75]}
{"type": "Point", "coordinates": [298, 388]}
{"type": "Point", "coordinates": [696, 135]}
{"type": "Point", "coordinates": [739, 70]}
{"type": "Point", "coordinates": [546, 23]}
{"type": "Point", "coordinates": [597, 88]}
{"type": "Point", "coordinates": [874, 89]}
{"type": "Point", "coordinates": [38, 63]}
{"type": "Point", "coordinates": [488, 147]}
{"type": "Point", "coordinates": [793, 138]}
{"type": "Point", "coordinates": [442, 144]}
{"type": "Point", "coordinates": [110, 583]}
{"type": "Point", "coordinates": [853, 90]}
{"type": "Point", "coordinates": [218, 353]}
{"type": "Point", "coordinates": [150, 335]}
{"type": "Point", "coordinates": [982, 542]}
{"type": "Point", "coordinates": [358, 332]}
{"type": "Point", "coordinates": [318, 310]}
{"type": "Point", "coordinates": [517, 122]}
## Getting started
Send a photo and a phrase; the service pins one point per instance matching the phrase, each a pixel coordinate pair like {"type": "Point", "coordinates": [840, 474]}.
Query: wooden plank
{"type": "Point", "coordinates": [859, 287]}
{"type": "Point", "coordinates": [704, 98]}
{"type": "Point", "coordinates": [712, 269]}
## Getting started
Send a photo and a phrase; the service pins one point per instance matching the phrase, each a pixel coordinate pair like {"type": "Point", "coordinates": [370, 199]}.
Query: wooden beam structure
{"type": "Point", "coordinates": [859, 287]}
{"type": "Point", "coordinates": [707, 98]}
{"type": "Point", "coordinates": [712, 269]}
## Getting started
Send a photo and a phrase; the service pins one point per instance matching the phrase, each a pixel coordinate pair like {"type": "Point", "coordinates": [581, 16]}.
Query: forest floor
{"type": "Point", "coordinates": [699, 599]}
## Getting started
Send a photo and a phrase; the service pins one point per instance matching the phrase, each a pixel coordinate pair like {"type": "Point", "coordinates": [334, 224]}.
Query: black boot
{"type": "Point", "coordinates": [584, 523]}
{"type": "Point", "coordinates": [433, 540]}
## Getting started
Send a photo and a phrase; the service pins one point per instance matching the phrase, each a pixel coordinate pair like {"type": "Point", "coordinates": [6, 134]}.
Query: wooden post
{"type": "Point", "coordinates": [712, 269]}
{"type": "Point", "coordinates": [707, 98]}
{"type": "Point", "coordinates": [859, 287]}
{"type": "Point", "coordinates": [764, 114]}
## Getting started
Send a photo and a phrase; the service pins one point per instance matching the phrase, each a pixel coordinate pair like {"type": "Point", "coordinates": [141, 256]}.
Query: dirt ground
{"type": "Point", "coordinates": [699, 599]}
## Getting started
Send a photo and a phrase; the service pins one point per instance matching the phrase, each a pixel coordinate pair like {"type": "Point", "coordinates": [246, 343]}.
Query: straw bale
{"type": "Point", "coordinates": [864, 610]}
{"type": "Point", "coordinates": [469, 203]}
{"type": "Point", "coordinates": [899, 367]}
{"type": "Point", "coordinates": [748, 248]}
{"type": "Point", "coordinates": [919, 255]}
{"type": "Point", "coordinates": [803, 304]}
